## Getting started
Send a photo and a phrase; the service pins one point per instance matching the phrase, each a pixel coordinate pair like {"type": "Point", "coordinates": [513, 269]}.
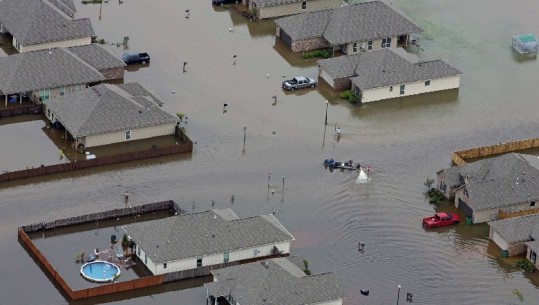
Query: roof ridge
{"type": "Point", "coordinates": [57, 9]}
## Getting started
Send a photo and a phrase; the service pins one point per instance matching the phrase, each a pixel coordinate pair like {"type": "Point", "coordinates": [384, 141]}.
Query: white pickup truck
{"type": "Point", "coordinates": [299, 82]}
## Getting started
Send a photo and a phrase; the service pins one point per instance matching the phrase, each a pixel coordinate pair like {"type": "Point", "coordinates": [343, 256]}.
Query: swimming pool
{"type": "Point", "coordinates": [100, 271]}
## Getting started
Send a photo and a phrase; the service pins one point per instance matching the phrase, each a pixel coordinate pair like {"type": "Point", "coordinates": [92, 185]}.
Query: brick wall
{"type": "Point", "coordinates": [113, 73]}
{"type": "Point", "coordinates": [342, 84]}
{"type": "Point", "coordinates": [517, 249]}
{"type": "Point", "coordinates": [309, 44]}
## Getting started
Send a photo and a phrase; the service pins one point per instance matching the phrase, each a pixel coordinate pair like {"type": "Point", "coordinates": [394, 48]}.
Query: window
{"type": "Point", "coordinates": [226, 256]}
{"type": "Point", "coordinates": [62, 91]}
{"type": "Point", "coordinates": [402, 88]}
{"type": "Point", "coordinates": [199, 262]}
{"type": "Point", "coordinates": [128, 135]}
{"type": "Point", "coordinates": [532, 204]}
{"type": "Point", "coordinates": [369, 45]}
{"type": "Point", "coordinates": [78, 87]}
{"type": "Point", "coordinates": [386, 42]}
{"type": "Point", "coordinates": [390, 88]}
{"type": "Point", "coordinates": [466, 193]}
{"type": "Point", "coordinates": [303, 5]}
{"type": "Point", "coordinates": [138, 251]}
{"type": "Point", "coordinates": [44, 94]}
{"type": "Point", "coordinates": [253, 5]}
{"type": "Point", "coordinates": [145, 258]}
{"type": "Point", "coordinates": [354, 47]}
{"type": "Point", "coordinates": [427, 83]}
{"type": "Point", "coordinates": [164, 265]}
{"type": "Point", "coordinates": [49, 113]}
{"type": "Point", "coordinates": [533, 256]}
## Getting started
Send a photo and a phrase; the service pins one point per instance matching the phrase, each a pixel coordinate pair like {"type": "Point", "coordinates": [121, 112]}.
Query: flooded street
{"type": "Point", "coordinates": [404, 140]}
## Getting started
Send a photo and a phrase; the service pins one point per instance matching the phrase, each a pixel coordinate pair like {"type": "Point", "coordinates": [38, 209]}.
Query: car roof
{"type": "Point", "coordinates": [442, 214]}
{"type": "Point", "coordinates": [130, 53]}
{"type": "Point", "coordinates": [300, 78]}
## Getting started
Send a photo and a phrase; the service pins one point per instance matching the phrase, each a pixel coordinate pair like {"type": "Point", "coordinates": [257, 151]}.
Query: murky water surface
{"type": "Point", "coordinates": [404, 140]}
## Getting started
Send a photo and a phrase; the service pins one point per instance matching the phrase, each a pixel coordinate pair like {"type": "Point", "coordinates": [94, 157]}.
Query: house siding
{"type": "Point", "coordinates": [136, 134]}
{"type": "Point", "coordinates": [55, 44]}
{"type": "Point", "coordinates": [334, 302]}
{"type": "Point", "coordinates": [449, 190]}
{"type": "Point", "coordinates": [295, 8]}
{"type": "Point", "coordinates": [214, 259]}
{"type": "Point", "coordinates": [382, 93]}
{"type": "Point", "coordinates": [325, 76]}
{"type": "Point", "coordinates": [498, 239]}
{"type": "Point", "coordinates": [55, 92]}
{"type": "Point", "coordinates": [309, 44]}
{"type": "Point", "coordinates": [376, 45]}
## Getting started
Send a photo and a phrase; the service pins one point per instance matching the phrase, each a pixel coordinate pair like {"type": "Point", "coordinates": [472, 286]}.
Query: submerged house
{"type": "Point", "coordinates": [350, 29]}
{"type": "Point", "coordinates": [513, 234]}
{"type": "Point", "coordinates": [200, 242]}
{"type": "Point", "coordinates": [277, 8]}
{"type": "Point", "coordinates": [385, 74]}
{"type": "Point", "coordinates": [43, 24]}
{"type": "Point", "coordinates": [107, 114]}
{"type": "Point", "coordinates": [274, 281]}
{"type": "Point", "coordinates": [480, 189]}
{"type": "Point", "coordinates": [45, 74]}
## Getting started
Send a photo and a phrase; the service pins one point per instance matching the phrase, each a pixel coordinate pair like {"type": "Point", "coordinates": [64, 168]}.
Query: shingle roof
{"type": "Point", "coordinates": [39, 21]}
{"type": "Point", "coordinates": [384, 67]}
{"type": "Point", "coordinates": [501, 181]}
{"type": "Point", "coordinates": [282, 281]}
{"type": "Point", "coordinates": [534, 245]}
{"type": "Point", "coordinates": [44, 69]}
{"type": "Point", "coordinates": [107, 108]}
{"type": "Point", "coordinates": [192, 235]}
{"type": "Point", "coordinates": [350, 23]}
{"type": "Point", "coordinates": [516, 229]}
{"type": "Point", "coordinates": [264, 3]}
{"type": "Point", "coordinates": [97, 56]}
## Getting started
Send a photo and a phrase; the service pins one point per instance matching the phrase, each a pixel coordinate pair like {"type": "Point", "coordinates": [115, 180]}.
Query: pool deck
{"type": "Point", "coordinates": [110, 255]}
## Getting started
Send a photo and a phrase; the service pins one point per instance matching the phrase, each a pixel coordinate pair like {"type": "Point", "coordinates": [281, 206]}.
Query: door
{"type": "Point", "coordinates": [286, 38]}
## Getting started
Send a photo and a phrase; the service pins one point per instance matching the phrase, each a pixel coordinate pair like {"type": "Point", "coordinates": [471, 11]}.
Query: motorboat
{"type": "Point", "coordinates": [351, 165]}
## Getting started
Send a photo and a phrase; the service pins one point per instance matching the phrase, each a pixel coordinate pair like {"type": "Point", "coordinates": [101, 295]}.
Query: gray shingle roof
{"type": "Point", "coordinates": [193, 235]}
{"type": "Point", "coordinates": [38, 21]}
{"type": "Point", "coordinates": [351, 23]}
{"type": "Point", "coordinates": [384, 67]}
{"type": "Point", "coordinates": [283, 282]}
{"type": "Point", "coordinates": [97, 56]}
{"type": "Point", "coordinates": [501, 181]}
{"type": "Point", "coordinates": [44, 69]}
{"type": "Point", "coordinates": [534, 245]}
{"type": "Point", "coordinates": [107, 108]}
{"type": "Point", "coordinates": [264, 3]}
{"type": "Point", "coordinates": [516, 229]}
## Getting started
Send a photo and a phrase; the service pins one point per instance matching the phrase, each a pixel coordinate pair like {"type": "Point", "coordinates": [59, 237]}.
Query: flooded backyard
{"type": "Point", "coordinates": [404, 140]}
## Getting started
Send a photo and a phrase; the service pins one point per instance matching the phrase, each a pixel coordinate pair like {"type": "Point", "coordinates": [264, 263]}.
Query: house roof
{"type": "Point", "coordinates": [39, 21]}
{"type": "Point", "coordinates": [46, 69]}
{"type": "Point", "coordinates": [516, 229]}
{"type": "Point", "coordinates": [534, 245]}
{"type": "Point", "coordinates": [264, 3]}
{"type": "Point", "coordinates": [97, 56]}
{"type": "Point", "coordinates": [108, 108]}
{"type": "Point", "coordinates": [384, 67]}
{"type": "Point", "coordinates": [499, 181]}
{"type": "Point", "coordinates": [209, 232]}
{"type": "Point", "coordinates": [351, 23]}
{"type": "Point", "coordinates": [276, 281]}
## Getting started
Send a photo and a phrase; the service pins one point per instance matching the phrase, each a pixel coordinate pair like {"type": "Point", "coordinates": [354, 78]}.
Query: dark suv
{"type": "Point", "coordinates": [135, 58]}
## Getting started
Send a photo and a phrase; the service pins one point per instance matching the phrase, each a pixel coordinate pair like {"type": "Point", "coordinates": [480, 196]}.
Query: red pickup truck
{"type": "Point", "coordinates": [440, 219]}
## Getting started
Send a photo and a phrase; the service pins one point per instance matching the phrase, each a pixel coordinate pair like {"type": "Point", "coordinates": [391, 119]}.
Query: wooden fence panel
{"type": "Point", "coordinates": [497, 149]}
{"type": "Point", "coordinates": [510, 214]}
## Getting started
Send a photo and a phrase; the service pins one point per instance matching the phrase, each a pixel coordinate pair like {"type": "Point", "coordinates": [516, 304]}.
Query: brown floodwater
{"type": "Point", "coordinates": [404, 140]}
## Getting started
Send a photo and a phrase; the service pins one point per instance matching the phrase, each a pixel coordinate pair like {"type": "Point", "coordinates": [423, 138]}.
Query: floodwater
{"type": "Point", "coordinates": [404, 140]}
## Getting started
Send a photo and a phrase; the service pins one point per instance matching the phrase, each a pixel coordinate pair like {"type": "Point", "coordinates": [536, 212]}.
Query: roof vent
{"type": "Point", "coordinates": [384, 71]}
{"type": "Point", "coordinates": [394, 70]}
{"type": "Point", "coordinates": [140, 111]}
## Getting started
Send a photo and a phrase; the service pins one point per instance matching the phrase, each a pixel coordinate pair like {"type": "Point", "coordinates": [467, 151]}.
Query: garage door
{"type": "Point", "coordinates": [465, 208]}
{"type": "Point", "coordinates": [286, 38]}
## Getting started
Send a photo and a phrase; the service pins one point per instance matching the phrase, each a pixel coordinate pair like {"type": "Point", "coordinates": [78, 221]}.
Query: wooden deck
{"type": "Point", "coordinates": [111, 255]}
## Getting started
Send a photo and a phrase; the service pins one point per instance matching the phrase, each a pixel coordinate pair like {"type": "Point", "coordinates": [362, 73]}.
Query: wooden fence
{"type": "Point", "coordinates": [184, 147]}
{"type": "Point", "coordinates": [31, 109]}
{"type": "Point", "coordinates": [111, 214]}
{"type": "Point", "coordinates": [460, 157]}
{"type": "Point", "coordinates": [510, 214]}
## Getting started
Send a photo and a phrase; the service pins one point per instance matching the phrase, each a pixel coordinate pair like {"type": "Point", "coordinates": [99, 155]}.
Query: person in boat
{"type": "Point", "coordinates": [350, 163]}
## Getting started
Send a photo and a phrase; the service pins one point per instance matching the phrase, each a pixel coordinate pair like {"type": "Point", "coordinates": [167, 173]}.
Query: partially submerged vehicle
{"type": "Point", "coordinates": [440, 219]}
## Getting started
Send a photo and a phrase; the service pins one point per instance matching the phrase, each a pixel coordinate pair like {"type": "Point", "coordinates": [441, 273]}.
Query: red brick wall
{"type": "Point", "coordinates": [342, 84]}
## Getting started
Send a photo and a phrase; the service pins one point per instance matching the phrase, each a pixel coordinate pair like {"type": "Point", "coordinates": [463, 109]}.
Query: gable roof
{"type": "Point", "coordinates": [517, 229]}
{"type": "Point", "coordinates": [97, 56]}
{"type": "Point", "coordinates": [499, 181]}
{"type": "Point", "coordinates": [209, 232]}
{"type": "Point", "coordinates": [39, 21]}
{"type": "Point", "coordinates": [350, 23]}
{"type": "Point", "coordinates": [107, 108]}
{"type": "Point", "coordinates": [45, 69]}
{"type": "Point", "coordinates": [384, 67]}
{"type": "Point", "coordinates": [276, 281]}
